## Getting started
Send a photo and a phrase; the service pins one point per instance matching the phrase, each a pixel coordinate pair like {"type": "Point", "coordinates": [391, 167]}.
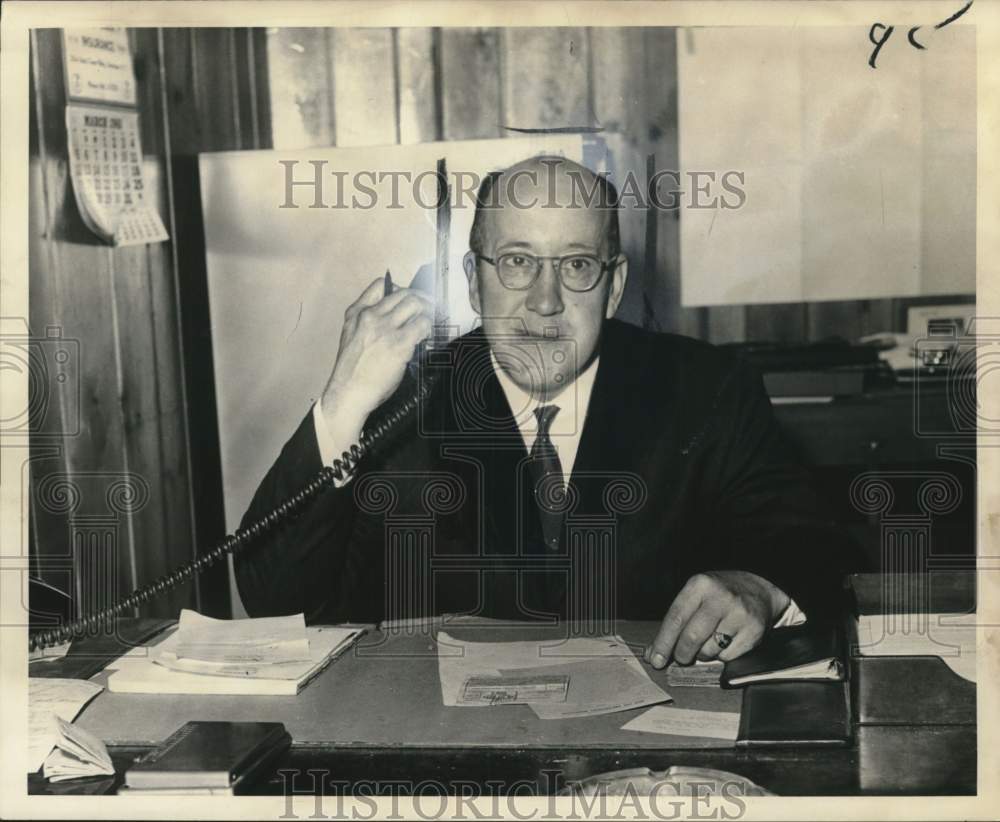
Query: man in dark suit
{"type": "Point", "coordinates": [565, 464]}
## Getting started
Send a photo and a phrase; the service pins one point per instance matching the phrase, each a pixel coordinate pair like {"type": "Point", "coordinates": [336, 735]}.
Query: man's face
{"type": "Point", "coordinates": [545, 335]}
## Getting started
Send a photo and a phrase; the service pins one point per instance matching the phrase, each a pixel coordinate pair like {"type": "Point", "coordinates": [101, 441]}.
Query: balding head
{"type": "Point", "coordinates": [546, 181]}
{"type": "Point", "coordinates": [545, 269]}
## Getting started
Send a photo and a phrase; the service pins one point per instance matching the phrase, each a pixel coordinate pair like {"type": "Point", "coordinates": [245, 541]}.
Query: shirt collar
{"type": "Point", "coordinates": [573, 401]}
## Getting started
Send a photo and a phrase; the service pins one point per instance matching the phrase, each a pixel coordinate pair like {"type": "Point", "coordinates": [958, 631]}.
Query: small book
{"type": "Point", "coordinates": [801, 652]}
{"type": "Point", "coordinates": [209, 755]}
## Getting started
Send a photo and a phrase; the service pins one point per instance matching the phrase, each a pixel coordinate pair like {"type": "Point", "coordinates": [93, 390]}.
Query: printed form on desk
{"type": "Point", "coordinates": [557, 679]}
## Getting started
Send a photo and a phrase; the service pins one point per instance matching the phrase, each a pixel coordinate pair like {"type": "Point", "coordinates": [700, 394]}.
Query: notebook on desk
{"type": "Point", "coordinates": [802, 652]}
{"type": "Point", "coordinates": [145, 670]}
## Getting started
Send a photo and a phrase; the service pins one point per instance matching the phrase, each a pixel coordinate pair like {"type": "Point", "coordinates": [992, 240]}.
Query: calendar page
{"type": "Point", "coordinates": [106, 168]}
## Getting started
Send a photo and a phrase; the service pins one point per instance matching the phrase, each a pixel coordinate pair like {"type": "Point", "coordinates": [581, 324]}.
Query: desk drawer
{"type": "Point", "coordinates": [910, 690]}
{"type": "Point", "coordinates": [928, 759]}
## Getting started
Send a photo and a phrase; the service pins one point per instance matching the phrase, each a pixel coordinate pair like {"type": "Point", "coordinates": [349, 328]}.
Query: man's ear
{"type": "Point", "coordinates": [472, 274]}
{"type": "Point", "coordinates": [619, 274]}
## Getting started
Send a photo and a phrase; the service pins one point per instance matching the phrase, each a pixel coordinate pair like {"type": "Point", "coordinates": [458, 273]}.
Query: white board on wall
{"type": "Point", "coordinates": [279, 279]}
{"type": "Point", "coordinates": [859, 182]}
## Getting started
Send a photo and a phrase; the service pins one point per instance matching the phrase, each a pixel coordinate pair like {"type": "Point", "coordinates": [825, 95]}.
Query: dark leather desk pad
{"type": "Point", "coordinates": [386, 692]}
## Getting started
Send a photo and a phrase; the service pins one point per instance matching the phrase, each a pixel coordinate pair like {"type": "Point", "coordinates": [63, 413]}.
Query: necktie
{"type": "Point", "coordinates": [547, 475]}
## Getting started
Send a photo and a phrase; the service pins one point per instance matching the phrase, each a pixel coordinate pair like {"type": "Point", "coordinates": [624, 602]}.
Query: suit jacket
{"type": "Point", "coordinates": [681, 468]}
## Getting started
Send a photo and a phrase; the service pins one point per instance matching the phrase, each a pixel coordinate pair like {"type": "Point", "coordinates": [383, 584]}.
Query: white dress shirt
{"type": "Point", "coordinates": [565, 432]}
{"type": "Point", "coordinates": [567, 425]}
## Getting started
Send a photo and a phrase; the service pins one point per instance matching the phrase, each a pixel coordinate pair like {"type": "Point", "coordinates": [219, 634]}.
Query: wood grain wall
{"type": "Point", "coordinates": [124, 473]}
{"type": "Point", "coordinates": [139, 399]}
{"type": "Point", "coordinates": [379, 86]}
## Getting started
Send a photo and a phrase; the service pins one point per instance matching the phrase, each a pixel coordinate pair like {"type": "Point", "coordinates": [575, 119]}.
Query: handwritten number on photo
{"type": "Point", "coordinates": [880, 38]}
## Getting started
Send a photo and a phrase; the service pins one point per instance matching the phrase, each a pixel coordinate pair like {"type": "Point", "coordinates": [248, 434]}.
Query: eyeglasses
{"type": "Point", "coordinates": [577, 272]}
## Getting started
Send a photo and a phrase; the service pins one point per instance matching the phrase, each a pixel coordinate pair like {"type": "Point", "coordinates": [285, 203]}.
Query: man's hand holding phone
{"type": "Point", "coordinates": [381, 331]}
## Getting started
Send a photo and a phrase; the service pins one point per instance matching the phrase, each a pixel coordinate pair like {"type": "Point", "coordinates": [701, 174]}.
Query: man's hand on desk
{"type": "Point", "coordinates": [737, 604]}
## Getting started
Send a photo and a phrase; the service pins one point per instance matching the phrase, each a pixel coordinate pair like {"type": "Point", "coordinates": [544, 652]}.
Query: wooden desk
{"type": "Point", "coordinates": [908, 433]}
{"type": "Point", "coordinates": [376, 715]}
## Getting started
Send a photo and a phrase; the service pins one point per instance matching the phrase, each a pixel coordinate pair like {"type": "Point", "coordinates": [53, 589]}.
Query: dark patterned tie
{"type": "Point", "coordinates": [547, 474]}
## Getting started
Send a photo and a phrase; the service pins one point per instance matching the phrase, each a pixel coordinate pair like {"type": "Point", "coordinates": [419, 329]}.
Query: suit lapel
{"type": "Point", "coordinates": [487, 434]}
{"type": "Point", "coordinates": [617, 426]}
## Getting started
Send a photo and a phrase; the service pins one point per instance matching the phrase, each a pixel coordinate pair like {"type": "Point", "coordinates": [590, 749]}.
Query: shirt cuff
{"type": "Point", "coordinates": [331, 443]}
{"type": "Point", "coordinates": [792, 616]}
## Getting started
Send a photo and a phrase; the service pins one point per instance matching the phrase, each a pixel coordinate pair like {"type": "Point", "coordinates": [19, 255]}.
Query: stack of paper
{"type": "Point", "coordinates": [50, 698]}
{"type": "Point", "coordinates": [158, 669]}
{"type": "Point", "coordinates": [558, 680]}
{"type": "Point", "coordinates": [274, 640]}
{"type": "Point", "coordinates": [700, 674]}
{"type": "Point", "coordinates": [77, 753]}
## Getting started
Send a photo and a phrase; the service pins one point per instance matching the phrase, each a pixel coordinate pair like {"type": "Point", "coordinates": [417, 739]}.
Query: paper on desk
{"type": "Point", "coordinates": [599, 685]}
{"type": "Point", "coordinates": [137, 672]}
{"type": "Point", "coordinates": [263, 640]}
{"type": "Point", "coordinates": [664, 719]}
{"type": "Point", "coordinates": [324, 640]}
{"type": "Point", "coordinates": [617, 680]}
{"type": "Point", "coordinates": [77, 753]}
{"type": "Point", "coordinates": [952, 637]}
{"type": "Point", "coordinates": [50, 697]}
{"type": "Point", "coordinates": [700, 674]}
{"type": "Point", "coordinates": [49, 652]}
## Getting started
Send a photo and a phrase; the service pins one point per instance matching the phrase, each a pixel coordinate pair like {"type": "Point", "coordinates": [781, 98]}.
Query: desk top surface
{"type": "Point", "coordinates": [385, 692]}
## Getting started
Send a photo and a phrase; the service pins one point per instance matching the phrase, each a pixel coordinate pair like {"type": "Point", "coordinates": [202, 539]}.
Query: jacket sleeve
{"type": "Point", "coordinates": [773, 522]}
{"type": "Point", "coordinates": [302, 563]}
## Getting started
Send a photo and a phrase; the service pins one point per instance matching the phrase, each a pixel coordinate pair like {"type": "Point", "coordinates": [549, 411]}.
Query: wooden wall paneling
{"type": "Point", "coordinates": [164, 380]}
{"type": "Point", "coordinates": [470, 83]}
{"type": "Point", "coordinates": [726, 323]}
{"type": "Point", "coordinates": [299, 87]}
{"type": "Point", "coordinates": [250, 61]}
{"type": "Point", "coordinates": [193, 127]}
{"type": "Point", "coordinates": [661, 102]}
{"type": "Point", "coordinates": [784, 323]}
{"type": "Point", "coordinates": [364, 87]}
{"type": "Point", "coordinates": [79, 272]}
{"type": "Point", "coordinates": [418, 106]}
{"type": "Point", "coordinates": [546, 82]}
{"type": "Point", "coordinates": [839, 318]}
{"type": "Point", "coordinates": [175, 479]}
{"type": "Point", "coordinates": [216, 91]}
{"type": "Point", "coordinates": [617, 69]}
{"type": "Point", "coordinates": [49, 534]}
{"type": "Point", "coordinates": [159, 546]}
{"type": "Point", "coordinates": [156, 448]}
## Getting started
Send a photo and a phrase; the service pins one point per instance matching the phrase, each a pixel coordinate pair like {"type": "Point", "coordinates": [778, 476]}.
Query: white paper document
{"type": "Point", "coordinates": [148, 670]}
{"type": "Point", "coordinates": [603, 675]}
{"type": "Point", "coordinates": [952, 637]}
{"type": "Point", "coordinates": [77, 753]}
{"type": "Point", "coordinates": [50, 697]}
{"type": "Point", "coordinates": [265, 640]}
{"type": "Point", "coordinates": [49, 652]}
{"type": "Point", "coordinates": [666, 719]}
